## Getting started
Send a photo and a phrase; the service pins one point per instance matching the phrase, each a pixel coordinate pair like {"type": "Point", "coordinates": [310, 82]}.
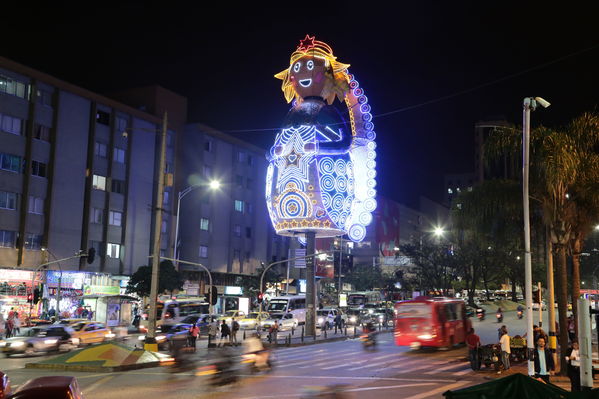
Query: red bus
{"type": "Point", "coordinates": [431, 321]}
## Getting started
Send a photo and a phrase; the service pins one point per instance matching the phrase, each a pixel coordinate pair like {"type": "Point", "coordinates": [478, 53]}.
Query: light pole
{"type": "Point", "coordinates": [530, 103]}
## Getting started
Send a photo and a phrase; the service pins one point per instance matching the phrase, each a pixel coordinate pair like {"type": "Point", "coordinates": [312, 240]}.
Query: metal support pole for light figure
{"type": "Point", "coordinates": [340, 264]}
{"type": "Point", "coordinates": [150, 342]}
{"type": "Point", "coordinates": [310, 285]}
{"type": "Point", "coordinates": [540, 306]}
{"type": "Point", "coordinates": [527, 255]}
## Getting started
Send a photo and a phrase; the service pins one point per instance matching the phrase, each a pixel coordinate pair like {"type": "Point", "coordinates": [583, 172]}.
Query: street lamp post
{"type": "Point", "coordinates": [530, 103]}
{"type": "Point", "coordinates": [203, 267]}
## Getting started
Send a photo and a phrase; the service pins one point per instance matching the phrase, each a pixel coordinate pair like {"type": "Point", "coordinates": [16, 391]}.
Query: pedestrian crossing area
{"type": "Point", "coordinates": [355, 360]}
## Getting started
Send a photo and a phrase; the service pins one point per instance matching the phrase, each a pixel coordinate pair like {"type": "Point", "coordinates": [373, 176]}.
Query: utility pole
{"type": "Point", "coordinates": [150, 342]}
{"type": "Point", "coordinates": [551, 296]}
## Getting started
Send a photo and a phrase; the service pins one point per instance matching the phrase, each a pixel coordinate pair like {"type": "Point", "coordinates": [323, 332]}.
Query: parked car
{"type": "Point", "coordinates": [231, 315]}
{"type": "Point", "coordinates": [166, 333]}
{"type": "Point", "coordinates": [91, 332]}
{"type": "Point", "coordinates": [286, 321]}
{"type": "Point", "coordinates": [40, 340]}
{"type": "Point", "coordinates": [252, 320]}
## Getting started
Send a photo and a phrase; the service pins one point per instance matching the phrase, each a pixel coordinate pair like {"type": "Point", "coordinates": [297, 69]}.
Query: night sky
{"type": "Point", "coordinates": [407, 58]}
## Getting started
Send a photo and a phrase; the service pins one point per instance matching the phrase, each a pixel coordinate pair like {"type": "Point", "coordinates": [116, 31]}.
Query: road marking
{"type": "Point", "coordinates": [449, 366]}
{"type": "Point", "coordinates": [434, 392]}
{"type": "Point", "coordinates": [337, 377]}
{"type": "Point", "coordinates": [465, 371]}
{"type": "Point", "coordinates": [98, 383]}
{"type": "Point", "coordinates": [292, 395]}
{"type": "Point", "coordinates": [428, 365]}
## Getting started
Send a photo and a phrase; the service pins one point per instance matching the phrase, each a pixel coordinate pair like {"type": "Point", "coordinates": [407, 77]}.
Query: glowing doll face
{"type": "Point", "coordinates": [308, 76]}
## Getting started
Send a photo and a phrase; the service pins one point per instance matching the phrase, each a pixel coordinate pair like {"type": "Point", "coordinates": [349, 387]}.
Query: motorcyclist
{"type": "Point", "coordinates": [253, 346]}
{"type": "Point", "coordinates": [499, 315]}
{"type": "Point", "coordinates": [520, 311]}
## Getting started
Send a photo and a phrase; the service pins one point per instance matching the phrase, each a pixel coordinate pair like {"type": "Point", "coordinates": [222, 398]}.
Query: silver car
{"type": "Point", "coordinates": [286, 321]}
{"type": "Point", "coordinates": [40, 340]}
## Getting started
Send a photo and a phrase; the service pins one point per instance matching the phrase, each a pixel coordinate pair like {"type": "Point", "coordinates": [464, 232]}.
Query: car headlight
{"type": "Point", "coordinates": [160, 338]}
{"type": "Point", "coordinates": [352, 319]}
{"type": "Point", "coordinates": [75, 341]}
{"type": "Point", "coordinates": [111, 335]}
{"type": "Point", "coordinates": [370, 311]}
{"type": "Point", "coordinates": [17, 344]}
{"type": "Point", "coordinates": [141, 337]}
{"type": "Point", "coordinates": [320, 320]}
{"type": "Point", "coordinates": [50, 341]}
{"type": "Point", "coordinates": [381, 318]}
{"type": "Point", "coordinates": [3, 343]}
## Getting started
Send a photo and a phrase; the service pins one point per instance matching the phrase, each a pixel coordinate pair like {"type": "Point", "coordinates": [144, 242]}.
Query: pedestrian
{"type": "Point", "coordinates": [17, 324]}
{"type": "Point", "coordinates": [234, 330]}
{"type": "Point", "coordinates": [194, 332]}
{"type": "Point", "coordinates": [212, 333]}
{"type": "Point", "coordinates": [573, 359]}
{"type": "Point", "coordinates": [225, 331]}
{"type": "Point", "coordinates": [9, 326]}
{"type": "Point", "coordinates": [2, 325]}
{"type": "Point", "coordinates": [473, 342]}
{"type": "Point", "coordinates": [338, 322]}
{"type": "Point", "coordinates": [505, 349]}
{"type": "Point", "coordinates": [90, 315]}
{"type": "Point", "coordinates": [543, 361]}
{"type": "Point", "coordinates": [571, 329]}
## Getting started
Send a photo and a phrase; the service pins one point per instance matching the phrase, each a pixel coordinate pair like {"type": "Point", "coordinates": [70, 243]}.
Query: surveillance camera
{"type": "Point", "coordinates": [124, 134]}
{"type": "Point", "coordinates": [544, 103]}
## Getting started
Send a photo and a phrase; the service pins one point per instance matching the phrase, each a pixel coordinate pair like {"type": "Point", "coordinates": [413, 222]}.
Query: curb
{"type": "Point", "coordinates": [94, 369]}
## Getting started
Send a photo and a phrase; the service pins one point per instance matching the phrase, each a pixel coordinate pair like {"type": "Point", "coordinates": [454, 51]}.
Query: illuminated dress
{"type": "Point", "coordinates": [321, 175]}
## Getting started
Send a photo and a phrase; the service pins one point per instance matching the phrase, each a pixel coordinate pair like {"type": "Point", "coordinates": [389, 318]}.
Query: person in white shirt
{"type": "Point", "coordinates": [505, 348]}
{"type": "Point", "coordinates": [573, 359]}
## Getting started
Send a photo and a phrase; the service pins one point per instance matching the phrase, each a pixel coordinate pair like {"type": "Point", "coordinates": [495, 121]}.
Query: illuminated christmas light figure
{"type": "Point", "coordinates": [321, 176]}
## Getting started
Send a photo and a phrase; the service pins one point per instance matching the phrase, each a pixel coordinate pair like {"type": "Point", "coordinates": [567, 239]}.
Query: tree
{"type": "Point", "coordinates": [365, 277]}
{"type": "Point", "coordinates": [433, 264]}
{"type": "Point", "coordinates": [169, 280]}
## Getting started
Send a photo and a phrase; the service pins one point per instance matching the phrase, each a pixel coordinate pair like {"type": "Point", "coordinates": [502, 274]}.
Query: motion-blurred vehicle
{"type": "Point", "coordinates": [69, 322]}
{"type": "Point", "coordinates": [480, 314]}
{"type": "Point", "coordinates": [499, 316]}
{"type": "Point", "coordinates": [165, 334]}
{"type": "Point", "coordinates": [40, 340]}
{"type": "Point", "coordinates": [91, 332]}
{"type": "Point", "coordinates": [173, 311]}
{"type": "Point", "coordinates": [355, 316]}
{"type": "Point", "coordinates": [252, 320]}
{"type": "Point", "coordinates": [286, 321]}
{"type": "Point", "coordinates": [535, 306]}
{"type": "Point", "coordinates": [202, 320]}
{"type": "Point", "coordinates": [326, 318]}
{"type": "Point", "coordinates": [54, 387]}
{"type": "Point", "coordinates": [5, 387]}
{"type": "Point", "coordinates": [383, 316]}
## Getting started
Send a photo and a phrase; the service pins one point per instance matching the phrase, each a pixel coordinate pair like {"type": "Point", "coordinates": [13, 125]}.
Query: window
{"type": "Point", "coordinates": [36, 205]}
{"type": "Point", "coordinates": [239, 180]}
{"type": "Point", "coordinates": [165, 198]}
{"type": "Point", "coordinates": [204, 224]}
{"type": "Point", "coordinates": [12, 87]}
{"type": "Point", "coordinates": [41, 132]}
{"type": "Point", "coordinates": [237, 230]}
{"type": "Point", "coordinates": [121, 124]}
{"type": "Point", "coordinates": [240, 156]}
{"type": "Point", "coordinates": [100, 149]}
{"type": "Point", "coordinates": [250, 160]}
{"type": "Point", "coordinates": [33, 241]}
{"type": "Point", "coordinates": [44, 98]}
{"type": "Point", "coordinates": [8, 200]}
{"type": "Point", "coordinates": [249, 207]}
{"type": "Point", "coordinates": [203, 251]}
{"type": "Point", "coordinates": [248, 232]}
{"type": "Point", "coordinates": [96, 215]}
{"type": "Point", "coordinates": [118, 186]}
{"type": "Point", "coordinates": [114, 218]}
{"type": "Point", "coordinates": [7, 238]}
{"type": "Point", "coordinates": [249, 183]}
{"type": "Point", "coordinates": [118, 155]}
{"type": "Point", "coordinates": [207, 171]}
{"type": "Point", "coordinates": [239, 206]}
{"type": "Point", "coordinates": [113, 250]}
{"type": "Point", "coordinates": [10, 124]}
{"type": "Point", "coordinates": [97, 245]}
{"type": "Point", "coordinates": [38, 169]}
{"type": "Point", "coordinates": [103, 118]}
{"type": "Point", "coordinates": [10, 162]}
{"type": "Point", "coordinates": [208, 146]}
{"type": "Point", "coordinates": [99, 182]}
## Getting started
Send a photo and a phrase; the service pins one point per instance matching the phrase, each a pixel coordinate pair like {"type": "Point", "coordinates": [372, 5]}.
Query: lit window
{"type": "Point", "coordinates": [12, 87]}
{"type": "Point", "coordinates": [115, 218]}
{"type": "Point", "coordinates": [8, 200]}
{"type": "Point", "coordinates": [204, 224]}
{"type": "Point", "coordinates": [7, 238]}
{"type": "Point", "coordinates": [239, 206]}
{"type": "Point", "coordinates": [99, 182]}
{"type": "Point", "coordinates": [165, 198]}
{"type": "Point", "coordinates": [203, 251]}
{"type": "Point", "coordinates": [36, 205]}
{"type": "Point", "coordinates": [33, 241]}
{"type": "Point", "coordinates": [113, 250]}
{"type": "Point", "coordinates": [10, 162]}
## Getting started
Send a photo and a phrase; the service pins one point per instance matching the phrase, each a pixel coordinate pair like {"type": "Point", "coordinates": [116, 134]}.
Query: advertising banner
{"type": "Point", "coordinates": [101, 290]}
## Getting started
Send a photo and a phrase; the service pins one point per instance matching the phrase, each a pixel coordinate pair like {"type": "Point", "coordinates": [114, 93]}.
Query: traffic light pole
{"type": "Point", "coordinates": [203, 267]}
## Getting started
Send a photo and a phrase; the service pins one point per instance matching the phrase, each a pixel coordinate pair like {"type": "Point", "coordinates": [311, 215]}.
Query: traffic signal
{"type": "Point", "coordinates": [91, 255]}
{"type": "Point", "coordinates": [213, 295]}
{"type": "Point", "coordinates": [260, 297]}
{"type": "Point", "coordinates": [29, 297]}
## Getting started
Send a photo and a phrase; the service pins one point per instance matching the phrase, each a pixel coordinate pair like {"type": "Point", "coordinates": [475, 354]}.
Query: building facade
{"type": "Point", "coordinates": [78, 170]}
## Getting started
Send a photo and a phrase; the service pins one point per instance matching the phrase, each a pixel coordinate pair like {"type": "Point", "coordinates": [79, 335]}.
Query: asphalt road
{"type": "Point", "coordinates": [391, 370]}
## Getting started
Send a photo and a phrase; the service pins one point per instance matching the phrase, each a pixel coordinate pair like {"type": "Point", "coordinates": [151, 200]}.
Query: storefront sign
{"type": "Point", "coordinates": [73, 280]}
{"type": "Point", "coordinates": [101, 290]}
{"type": "Point", "coordinates": [232, 290]}
{"type": "Point", "coordinates": [15, 275]}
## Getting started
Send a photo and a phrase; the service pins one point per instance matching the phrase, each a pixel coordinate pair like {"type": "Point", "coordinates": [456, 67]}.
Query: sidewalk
{"type": "Point", "coordinates": [522, 368]}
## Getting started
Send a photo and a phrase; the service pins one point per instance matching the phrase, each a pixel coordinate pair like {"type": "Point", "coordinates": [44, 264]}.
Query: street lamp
{"type": "Point", "coordinates": [529, 103]}
{"type": "Point", "coordinates": [439, 231]}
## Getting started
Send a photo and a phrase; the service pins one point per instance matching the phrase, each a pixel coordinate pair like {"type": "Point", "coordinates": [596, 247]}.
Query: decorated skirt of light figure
{"type": "Point", "coordinates": [321, 172]}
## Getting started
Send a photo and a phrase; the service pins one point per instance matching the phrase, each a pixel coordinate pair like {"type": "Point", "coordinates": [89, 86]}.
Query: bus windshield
{"type": "Point", "coordinates": [356, 299]}
{"type": "Point", "coordinates": [278, 305]}
{"type": "Point", "coordinates": [414, 310]}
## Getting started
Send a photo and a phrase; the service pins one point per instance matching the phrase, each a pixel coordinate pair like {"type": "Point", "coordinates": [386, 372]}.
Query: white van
{"type": "Point", "coordinates": [173, 311]}
{"type": "Point", "coordinates": [294, 304]}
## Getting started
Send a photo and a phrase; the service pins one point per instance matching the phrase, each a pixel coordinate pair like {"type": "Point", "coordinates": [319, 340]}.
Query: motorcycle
{"type": "Point", "coordinates": [520, 314]}
{"type": "Point", "coordinates": [480, 314]}
{"type": "Point", "coordinates": [257, 362]}
{"type": "Point", "coordinates": [222, 372]}
{"type": "Point", "coordinates": [499, 317]}
{"type": "Point", "coordinates": [368, 341]}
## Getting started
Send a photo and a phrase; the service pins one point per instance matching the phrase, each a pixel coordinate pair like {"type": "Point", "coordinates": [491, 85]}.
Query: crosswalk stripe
{"type": "Point", "coordinates": [449, 366]}
{"type": "Point", "coordinates": [427, 364]}
{"type": "Point", "coordinates": [465, 371]}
